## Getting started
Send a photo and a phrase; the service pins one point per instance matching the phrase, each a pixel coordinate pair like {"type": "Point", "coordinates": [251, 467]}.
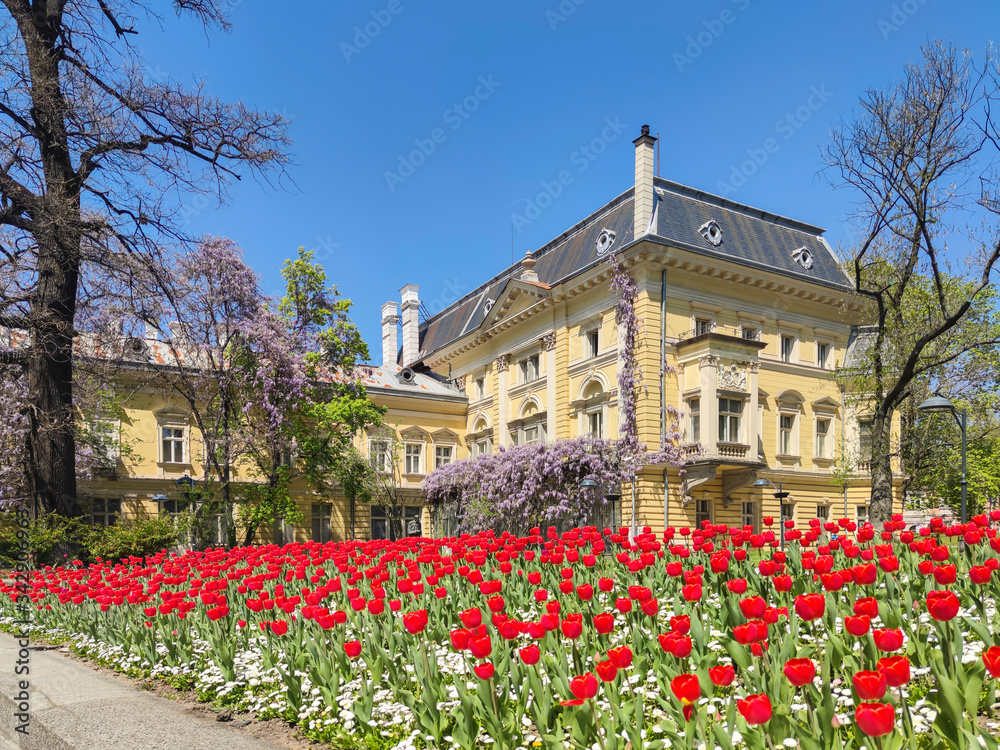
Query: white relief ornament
{"type": "Point", "coordinates": [733, 378]}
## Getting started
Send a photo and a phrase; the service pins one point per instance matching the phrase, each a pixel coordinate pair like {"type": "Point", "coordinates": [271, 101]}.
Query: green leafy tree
{"type": "Point", "coordinates": [917, 154]}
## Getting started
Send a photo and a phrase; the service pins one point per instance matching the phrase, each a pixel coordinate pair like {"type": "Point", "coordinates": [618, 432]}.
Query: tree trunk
{"type": "Point", "coordinates": [880, 507]}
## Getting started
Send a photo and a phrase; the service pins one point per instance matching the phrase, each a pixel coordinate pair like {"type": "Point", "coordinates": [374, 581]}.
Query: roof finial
{"type": "Point", "coordinates": [528, 268]}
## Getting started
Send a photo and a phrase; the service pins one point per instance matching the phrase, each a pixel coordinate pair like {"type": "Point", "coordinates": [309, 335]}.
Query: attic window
{"type": "Point", "coordinates": [803, 257]}
{"type": "Point", "coordinates": [712, 232]}
{"type": "Point", "coordinates": [604, 241]}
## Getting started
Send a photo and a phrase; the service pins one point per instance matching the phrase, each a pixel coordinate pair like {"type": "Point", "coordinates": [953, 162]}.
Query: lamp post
{"type": "Point", "coordinates": [613, 495]}
{"type": "Point", "coordinates": [780, 495]}
{"type": "Point", "coordinates": [938, 405]}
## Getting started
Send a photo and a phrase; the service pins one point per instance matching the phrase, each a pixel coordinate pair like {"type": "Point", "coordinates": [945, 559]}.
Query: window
{"type": "Point", "coordinates": [822, 513]}
{"type": "Point", "coordinates": [282, 532]}
{"type": "Point", "coordinates": [106, 434]}
{"type": "Point", "coordinates": [414, 453]}
{"type": "Point", "coordinates": [785, 430]}
{"type": "Point", "coordinates": [379, 455]}
{"type": "Point", "coordinates": [694, 419]}
{"type": "Point", "coordinates": [730, 411]}
{"type": "Point", "coordinates": [104, 511]}
{"type": "Point", "coordinates": [595, 424]}
{"type": "Point", "coordinates": [861, 514]}
{"type": "Point", "coordinates": [395, 523]}
{"type": "Point", "coordinates": [285, 458]}
{"type": "Point", "coordinates": [865, 439]}
{"type": "Point", "coordinates": [750, 333]}
{"type": "Point", "coordinates": [593, 344]}
{"type": "Point", "coordinates": [529, 369]}
{"type": "Point", "coordinates": [822, 433]}
{"type": "Point", "coordinates": [787, 347]}
{"type": "Point", "coordinates": [748, 515]}
{"type": "Point", "coordinates": [822, 355]}
{"type": "Point", "coordinates": [531, 434]}
{"type": "Point", "coordinates": [702, 325]}
{"type": "Point", "coordinates": [480, 388]}
{"type": "Point", "coordinates": [482, 447]}
{"type": "Point", "coordinates": [787, 512]}
{"type": "Point", "coordinates": [173, 445]}
{"type": "Point", "coordinates": [320, 523]}
{"type": "Point", "coordinates": [173, 507]}
{"type": "Point", "coordinates": [442, 456]}
{"type": "Point", "coordinates": [703, 511]}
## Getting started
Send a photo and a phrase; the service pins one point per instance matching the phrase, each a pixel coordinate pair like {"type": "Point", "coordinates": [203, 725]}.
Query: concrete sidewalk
{"type": "Point", "coordinates": [74, 707]}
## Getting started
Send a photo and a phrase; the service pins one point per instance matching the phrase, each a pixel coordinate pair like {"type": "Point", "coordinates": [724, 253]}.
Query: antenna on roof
{"type": "Point", "coordinates": [657, 154]}
{"type": "Point", "coordinates": [512, 243]}
{"type": "Point", "coordinates": [423, 313]}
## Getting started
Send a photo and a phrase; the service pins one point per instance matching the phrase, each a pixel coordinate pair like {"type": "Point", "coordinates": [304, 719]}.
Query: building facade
{"type": "Point", "coordinates": [744, 317]}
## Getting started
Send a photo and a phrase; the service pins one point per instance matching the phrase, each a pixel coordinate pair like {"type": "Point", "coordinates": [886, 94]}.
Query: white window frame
{"type": "Point", "coordinates": [793, 349]}
{"type": "Point", "coordinates": [703, 324]}
{"type": "Point", "coordinates": [724, 434]}
{"type": "Point", "coordinates": [823, 513]}
{"type": "Point", "coordinates": [175, 440]}
{"type": "Point", "coordinates": [282, 532]}
{"type": "Point", "coordinates": [381, 460]}
{"type": "Point", "coordinates": [745, 329]}
{"type": "Point", "coordinates": [530, 368]}
{"type": "Point", "coordinates": [592, 343]}
{"type": "Point", "coordinates": [862, 514]}
{"type": "Point", "coordinates": [411, 451]}
{"type": "Point", "coordinates": [108, 435]}
{"type": "Point", "coordinates": [865, 429]}
{"type": "Point", "coordinates": [440, 460]}
{"type": "Point", "coordinates": [598, 416]}
{"type": "Point", "coordinates": [694, 420]}
{"type": "Point", "coordinates": [483, 447]}
{"type": "Point", "coordinates": [823, 363]}
{"type": "Point", "coordinates": [823, 452]}
{"type": "Point", "coordinates": [480, 388]}
{"type": "Point", "coordinates": [754, 514]}
{"type": "Point", "coordinates": [321, 512]}
{"type": "Point", "coordinates": [786, 450]}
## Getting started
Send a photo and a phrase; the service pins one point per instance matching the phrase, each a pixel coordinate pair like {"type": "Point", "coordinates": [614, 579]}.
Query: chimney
{"type": "Point", "coordinates": [152, 332]}
{"type": "Point", "coordinates": [645, 153]}
{"type": "Point", "coordinates": [411, 324]}
{"type": "Point", "coordinates": [528, 268]}
{"type": "Point", "coordinates": [390, 341]}
{"type": "Point", "coordinates": [176, 332]}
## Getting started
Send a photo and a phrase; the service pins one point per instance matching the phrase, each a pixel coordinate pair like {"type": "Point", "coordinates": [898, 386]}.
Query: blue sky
{"type": "Point", "coordinates": [501, 97]}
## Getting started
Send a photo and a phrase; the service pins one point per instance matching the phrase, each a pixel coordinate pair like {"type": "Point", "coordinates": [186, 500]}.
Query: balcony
{"type": "Point", "coordinates": [732, 450]}
{"type": "Point", "coordinates": [733, 333]}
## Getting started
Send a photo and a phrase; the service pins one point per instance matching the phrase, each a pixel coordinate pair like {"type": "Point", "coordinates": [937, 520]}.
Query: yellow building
{"type": "Point", "coordinates": [749, 311]}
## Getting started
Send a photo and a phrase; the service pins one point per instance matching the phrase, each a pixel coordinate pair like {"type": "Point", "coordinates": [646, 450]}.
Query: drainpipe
{"type": "Point", "coordinates": [663, 385]}
{"type": "Point", "coordinates": [843, 440]}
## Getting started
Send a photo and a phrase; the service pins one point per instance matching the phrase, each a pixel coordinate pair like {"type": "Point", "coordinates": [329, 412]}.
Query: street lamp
{"type": "Point", "coordinates": [613, 495]}
{"type": "Point", "coordinates": [938, 405]}
{"type": "Point", "coordinates": [780, 495]}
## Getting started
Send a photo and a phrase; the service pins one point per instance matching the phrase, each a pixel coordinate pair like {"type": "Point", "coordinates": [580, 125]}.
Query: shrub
{"type": "Point", "coordinates": [132, 537]}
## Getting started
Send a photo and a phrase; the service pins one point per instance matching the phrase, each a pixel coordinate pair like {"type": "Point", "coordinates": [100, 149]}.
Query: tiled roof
{"type": "Point", "coordinates": [386, 379]}
{"type": "Point", "coordinates": [750, 236]}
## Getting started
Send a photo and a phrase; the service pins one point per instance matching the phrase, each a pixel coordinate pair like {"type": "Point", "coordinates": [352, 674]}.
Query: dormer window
{"type": "Point", "coordinates": [803, 257]}
{"type": "Point", "coordinates": [604, 241]}
{"type": "Point", "coordinates": [488, 306]}
{"type": "Point", "coordinates": [712, 232]}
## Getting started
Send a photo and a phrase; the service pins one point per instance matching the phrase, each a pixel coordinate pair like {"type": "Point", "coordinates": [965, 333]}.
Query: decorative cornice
{"type": "Point", "coordinates": [549, 341]}
{"type": "Point", "coordinates": [502, 362]}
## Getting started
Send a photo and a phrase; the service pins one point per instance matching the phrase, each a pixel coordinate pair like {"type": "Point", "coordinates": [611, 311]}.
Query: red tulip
{"type": "Point", "coordinates": [572, 629]}
{"type": "Point", "coordinates": [460, 639]}
{"type": "Point", "coordinates": [604, 623]}
{"type": "Point", "coordinates": [942, 605]}
{"type": "Point", "coordinates": [800, 671]}
{"type": "Point", "coordinates": [471, 618]}
{"type": "Point", "coordinates": [810, 606]}
{"type": "Point", "coordinates": [279, 627]}
{"type": "Point", "coordinates": [686, 688]}
{"type": "Point", "coordinates": [857, 626]}
{"type": "Point", "coordinates": [416, 621]}
{"type": "Point", "coordinates": [753, 607]}
{"type": "Point", "coordinates": [692, 592]}
{"type": "Point", "coordinates": [868, 606]}
{"type": "Point", "coordinates": [945, 575]}
{"type": "Point", "coordinates": [737, 585]}
{"type": "Point", "coordinates": [875, 719]}
{"type": "Point", "coordinates": [583, 687]}
{"type": "Point", "coordinates": [755, 709]}
{"type": "Point", "coordinates": [607, 671]}
{"type": "Point", "coordinates": [888, 640]}
{"type": "Point", "coordinates": [485, 671]}
{"type": "Point", "coordinates": [621, 657]}
{"type": "Point", "coordinates": [782, 583]}
{"type": "Point", "coordinates": [870, 686]}
{"type": "Point", "coordinates": [896, 670]}
{"type": "Point", "coordinates": [352, 649]}
{"type": "Point", "coordinates": [980, 574]}
{"type": "Point", "coordinates": [680, 624]}
{"type": "Point", "coordinates": [623, 605]}
{"type": "Point", "coordinates": [991, 658]}
{"type": "Point", "coordinates": [530, 654]}
{"type": "Point", "coordinates": [722, 676]}
{"type": "Point", "coordinates": [480, 646]}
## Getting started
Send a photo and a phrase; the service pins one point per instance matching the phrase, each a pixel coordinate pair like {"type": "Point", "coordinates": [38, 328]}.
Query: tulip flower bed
{"type": "Point", "coordinates": [709, 638]}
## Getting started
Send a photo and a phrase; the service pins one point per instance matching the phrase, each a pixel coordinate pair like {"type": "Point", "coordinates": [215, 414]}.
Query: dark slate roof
{"type": "Point", "coordinates": [560, 259]}
{"type": "Point", "coordinates": [749, 235]}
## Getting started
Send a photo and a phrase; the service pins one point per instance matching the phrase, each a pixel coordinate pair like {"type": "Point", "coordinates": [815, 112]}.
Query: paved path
{"type": "Point", "coordinates": [74, 707]}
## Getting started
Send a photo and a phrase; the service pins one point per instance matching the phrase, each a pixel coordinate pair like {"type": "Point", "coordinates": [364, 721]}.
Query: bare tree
{"type": "Point", "coordinates": [921, 154]}
{"type": "Point", "coordinates": [97, 161]}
